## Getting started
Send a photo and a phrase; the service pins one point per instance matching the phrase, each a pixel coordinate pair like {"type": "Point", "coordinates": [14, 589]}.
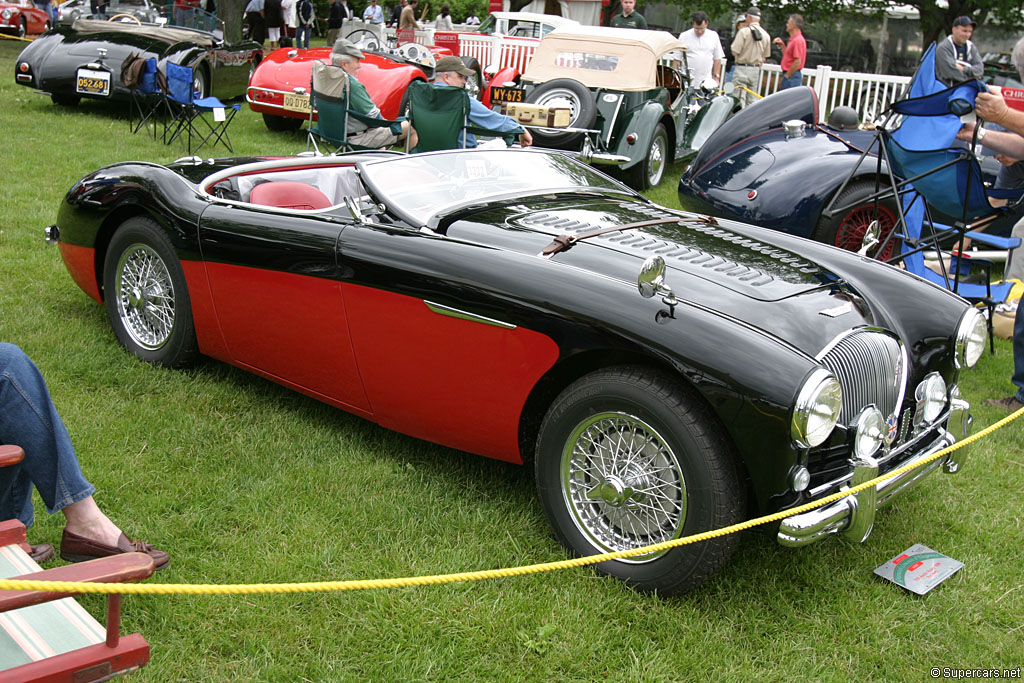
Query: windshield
{"type": "Point", "coordinates": [422, 186]}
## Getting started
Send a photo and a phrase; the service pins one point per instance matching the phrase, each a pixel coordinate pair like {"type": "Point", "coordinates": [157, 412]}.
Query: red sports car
{"type": "Point", "coordinates": [279, 86]}
{"type": "Point", "coordinates": [21, 18]}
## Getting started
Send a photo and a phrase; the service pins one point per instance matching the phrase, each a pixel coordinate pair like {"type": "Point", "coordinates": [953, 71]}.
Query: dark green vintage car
{"type": "Point", "coordinates": [632, 104]}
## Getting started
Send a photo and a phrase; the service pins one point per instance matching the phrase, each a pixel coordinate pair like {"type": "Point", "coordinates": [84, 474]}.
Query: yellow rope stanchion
{"type": "Point", "coordinates": [367, 584]}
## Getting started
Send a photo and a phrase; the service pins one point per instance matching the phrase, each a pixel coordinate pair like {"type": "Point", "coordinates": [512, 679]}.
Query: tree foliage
{"type": "Point", "coordinates": [936, 20]}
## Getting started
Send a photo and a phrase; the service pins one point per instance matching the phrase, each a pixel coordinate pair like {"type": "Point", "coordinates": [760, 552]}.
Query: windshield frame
{"type": "Point", "coordinates": [372, 173]}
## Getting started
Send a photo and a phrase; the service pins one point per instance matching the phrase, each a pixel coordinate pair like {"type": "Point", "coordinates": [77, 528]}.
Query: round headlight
{"type": "Point", "coordinates": [971, 337]}
{"type": "Point", "coordinates": [817, 409]}
{"type": "Point", "coordinates": [931, 399]}
{"type": "Point", "coordinates": [869, 433]}
{"type": "Point", "coordinates": [6, 14]}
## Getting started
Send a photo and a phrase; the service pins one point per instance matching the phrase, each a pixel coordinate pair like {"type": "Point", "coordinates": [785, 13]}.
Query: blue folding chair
{"type": "Point", "coordinates": [140, 75]}
{"type": "Point", "coordinates": [928, 170]}
{"type": "Point", "coordinates": [205, 119]}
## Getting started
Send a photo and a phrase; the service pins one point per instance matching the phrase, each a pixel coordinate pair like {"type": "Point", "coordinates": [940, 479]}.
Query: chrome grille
{"type": "Point", "coordinates": [872, 369]}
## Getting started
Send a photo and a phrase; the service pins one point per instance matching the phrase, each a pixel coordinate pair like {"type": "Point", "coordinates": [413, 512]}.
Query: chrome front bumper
{"type": "Point", "coordinates": [854, 516]}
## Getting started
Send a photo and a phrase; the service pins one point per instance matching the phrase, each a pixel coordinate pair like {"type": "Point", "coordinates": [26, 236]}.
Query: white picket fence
{"type": "Point", "coordinates": [869, 94]}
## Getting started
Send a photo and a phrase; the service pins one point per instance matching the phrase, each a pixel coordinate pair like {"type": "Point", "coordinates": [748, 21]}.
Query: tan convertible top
{"type": "Point", "coordinates": [602, 57]}
{"type": "Point", "coordinates": [168, 34]}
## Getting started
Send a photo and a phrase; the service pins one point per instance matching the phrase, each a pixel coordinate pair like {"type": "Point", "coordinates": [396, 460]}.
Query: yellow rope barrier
{"type": "Point", "coordinates": [27, 40]}
{"type": "Point", "coordinates": [367, 584]}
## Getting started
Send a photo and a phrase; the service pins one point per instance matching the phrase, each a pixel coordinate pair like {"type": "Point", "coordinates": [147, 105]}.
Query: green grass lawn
{"type": "Point", "coordinates": [244, 481]}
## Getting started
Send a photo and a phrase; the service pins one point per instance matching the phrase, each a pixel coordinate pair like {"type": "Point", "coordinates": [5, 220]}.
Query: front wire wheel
{"type": "Point", "coordinates": [626, 457]}
{"type": "Point", "coordinates": [146, 296]}
{"type": "Point", "coordinates": [623, 484]}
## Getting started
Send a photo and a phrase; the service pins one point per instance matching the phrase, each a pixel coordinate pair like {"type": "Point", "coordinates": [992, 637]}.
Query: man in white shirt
{"type": "Point", "coordinates": [373, 13]}
{"type": "Point", "coordinates": [703, 50]}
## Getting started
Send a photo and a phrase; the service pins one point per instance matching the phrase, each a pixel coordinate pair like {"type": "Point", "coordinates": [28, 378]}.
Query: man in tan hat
{"type": "Point", "coordinates": [346, 55]}
{"type": "Point", "coordinates": [451, 71]}
{"type": "Point", "coordinates": [751, 46]}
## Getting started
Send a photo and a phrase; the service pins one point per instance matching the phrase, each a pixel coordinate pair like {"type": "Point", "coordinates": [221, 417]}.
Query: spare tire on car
{"type": "Point", "coordinates": [564, 92]}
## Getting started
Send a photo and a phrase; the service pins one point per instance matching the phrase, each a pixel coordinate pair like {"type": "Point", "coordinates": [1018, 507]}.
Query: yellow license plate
{"type": "Point", "coordinates": [296, 103]}
{"type": "Point", "coordinates": [92, 82]}
{"type": "Point", "coordinates": [503, 94]}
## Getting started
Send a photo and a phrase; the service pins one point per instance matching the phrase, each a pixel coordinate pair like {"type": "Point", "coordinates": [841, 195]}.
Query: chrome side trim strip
{"type": "Point", "coordinates": [441, 309]}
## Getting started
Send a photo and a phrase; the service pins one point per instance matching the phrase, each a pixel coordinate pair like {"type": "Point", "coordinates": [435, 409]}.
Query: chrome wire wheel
{"type": "Point", "coordinates": [656, 158]}
{"type": "Point", "coordinates": [623, 484]}
{"type": "Point", "coordinates": [145, 296]}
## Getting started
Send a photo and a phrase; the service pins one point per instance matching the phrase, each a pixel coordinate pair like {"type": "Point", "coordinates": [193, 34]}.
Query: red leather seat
{"type": "Point", "coordinates": [289, 195]}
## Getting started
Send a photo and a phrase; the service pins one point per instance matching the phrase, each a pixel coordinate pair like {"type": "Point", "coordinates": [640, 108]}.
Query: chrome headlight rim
{"type": "Point", "coordinates": [971, 338]}
{"type": "Point", "coordinates": [931, 396]}
{"type": "Point", "coordinates": [870, 432]}
{"type": "Point", "coordinates": [820, 388]}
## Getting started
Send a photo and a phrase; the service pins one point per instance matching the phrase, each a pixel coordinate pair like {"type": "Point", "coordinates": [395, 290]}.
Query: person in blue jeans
{"type": "Point", "coordinates": [305, 17]}
{"type": "Point", "coordinates": [29, 419]}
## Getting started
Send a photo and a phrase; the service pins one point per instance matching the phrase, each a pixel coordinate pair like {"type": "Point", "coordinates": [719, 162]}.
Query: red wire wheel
{"type": "Point", "coordinates": [846, 230]}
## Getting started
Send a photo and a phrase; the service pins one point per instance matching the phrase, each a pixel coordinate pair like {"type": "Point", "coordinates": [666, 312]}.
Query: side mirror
{"type": "Point", "coordinates": [652, 276]}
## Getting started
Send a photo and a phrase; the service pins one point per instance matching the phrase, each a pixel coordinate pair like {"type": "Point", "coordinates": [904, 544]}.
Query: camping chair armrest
{"type": "Point", "coordinates": [994, 241]}
{"type": "Point", "coordinates": [113, 569]}
{"type": "Point", "coordinates": [377, 122]}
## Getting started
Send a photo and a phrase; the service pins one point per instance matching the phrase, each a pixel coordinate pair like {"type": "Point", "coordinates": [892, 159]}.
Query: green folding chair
{"type": "Point", "coordinates": [329, 100]}
{"type": "Point", "coordinates": [440, 115]}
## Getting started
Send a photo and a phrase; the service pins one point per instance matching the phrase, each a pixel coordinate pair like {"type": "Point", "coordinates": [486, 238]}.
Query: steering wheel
{"type": "Point", "coordinates": [122, 17]}
{"type": "Point", "coordinates": [365, 39]}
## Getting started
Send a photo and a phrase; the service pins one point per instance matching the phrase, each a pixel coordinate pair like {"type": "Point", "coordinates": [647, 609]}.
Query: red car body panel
{"type": "Point", "coordinates": [355, 350]}
{"type": "Point", "coordinates": [472, 404]}
{"type": "Point", "coordinates": [81, 264]}
{"type": "Point", "coordinates": [35, 18]}
{"type": "Point", "coordinates": [385, 79]}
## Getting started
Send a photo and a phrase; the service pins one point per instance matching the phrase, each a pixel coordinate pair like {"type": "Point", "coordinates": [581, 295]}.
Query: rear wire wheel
{"type": "Point", "coordinates": [846, 229]}
{"type": "Point", "coordinates": [146, 296]}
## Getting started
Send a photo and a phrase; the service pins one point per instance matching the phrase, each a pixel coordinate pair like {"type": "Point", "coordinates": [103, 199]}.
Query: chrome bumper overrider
{"type": "Point", "coordinates": [854, 515]}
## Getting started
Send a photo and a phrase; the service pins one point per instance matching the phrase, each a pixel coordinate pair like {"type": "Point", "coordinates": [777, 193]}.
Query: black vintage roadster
{"type": "Point", "coordinates": [666, 373]}
{"type": "Point", "coordinates": [84, 59]}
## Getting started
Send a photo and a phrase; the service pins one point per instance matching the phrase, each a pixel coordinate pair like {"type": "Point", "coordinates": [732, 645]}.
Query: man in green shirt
{"type": "Point", "coordinates": [629, 18]}
{"type": "Point", "coordinates": [346, 55]}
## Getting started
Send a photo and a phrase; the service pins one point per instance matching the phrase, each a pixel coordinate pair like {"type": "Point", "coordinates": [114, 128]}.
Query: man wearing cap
{"type": "Point", "coordinates": [794, 54]}
{"type": "Point", "coordinates": [629, 17]}
{"type": "Point", "coordinates": [956, 58]}
{"type": "Point", "coordinates": [451, 71]}
{"type": "Point", "coordinates": [346, 55]}
{"type": "Point", "coordinates": [751, 47]}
